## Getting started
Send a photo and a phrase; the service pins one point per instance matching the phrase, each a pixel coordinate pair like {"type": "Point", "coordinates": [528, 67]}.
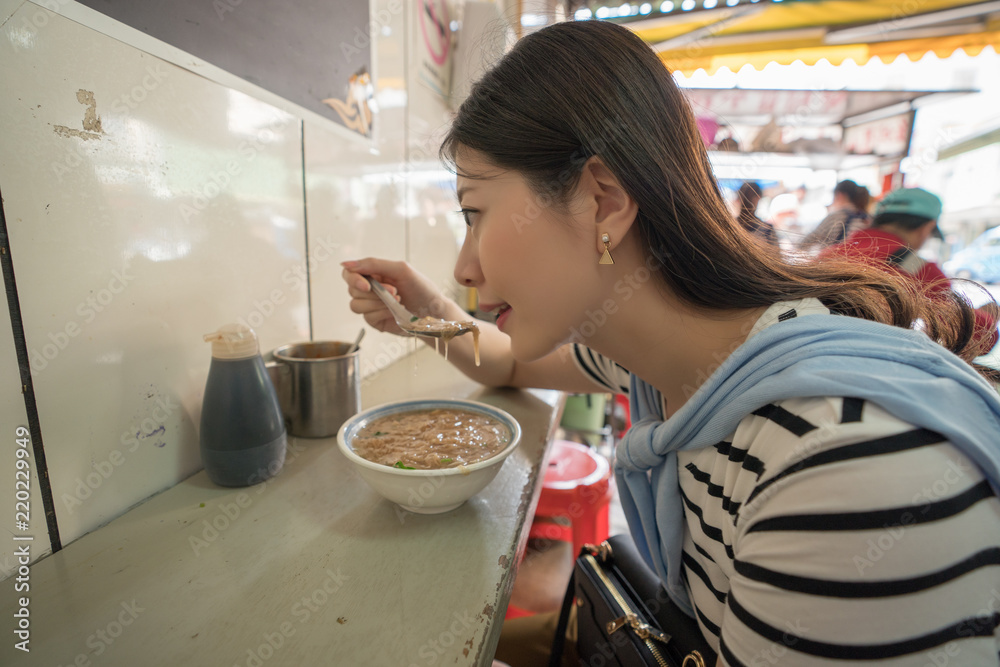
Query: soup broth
{"type": "Point", "coordinates": [431, 439]}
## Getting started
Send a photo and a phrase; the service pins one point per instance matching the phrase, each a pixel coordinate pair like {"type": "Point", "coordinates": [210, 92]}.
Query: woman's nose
{"type": "Point", "coordinates": [467, 269]}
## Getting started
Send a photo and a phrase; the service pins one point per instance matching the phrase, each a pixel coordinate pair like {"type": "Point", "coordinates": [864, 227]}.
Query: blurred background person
{"type": "Point", "coordinates": [904, 220]}
{"type": "Point", "coordinates": [848, 214]}
{"type": "Point", "coordinates": [748, 199]}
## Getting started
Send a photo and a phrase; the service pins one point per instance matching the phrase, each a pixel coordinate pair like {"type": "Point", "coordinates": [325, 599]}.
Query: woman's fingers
{"type": "Point", "coordinates": [386, 271]}
{"type": "Point", "coordinates": [363, 300]}
{"type": "Point", "coordinates": [359, 289]}
{"type": "Point", "coordinates": [408, 286]}
{"type": "Point", "coordinates": [357, 285]}
{"type": "Point", "coordinates": [375, 314]}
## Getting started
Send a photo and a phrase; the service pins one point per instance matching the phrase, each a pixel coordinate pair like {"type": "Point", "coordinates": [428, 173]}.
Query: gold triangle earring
{"type": "Point", "coordinates": [606, 257]}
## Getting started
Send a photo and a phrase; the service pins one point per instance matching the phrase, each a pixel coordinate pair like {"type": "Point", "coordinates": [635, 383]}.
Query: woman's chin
{"type": "Point", "coordinates": [526, 351]}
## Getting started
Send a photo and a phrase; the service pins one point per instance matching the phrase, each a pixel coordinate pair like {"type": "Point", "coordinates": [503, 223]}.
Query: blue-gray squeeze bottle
{"type": "Point", "coordinates": [243, 438]}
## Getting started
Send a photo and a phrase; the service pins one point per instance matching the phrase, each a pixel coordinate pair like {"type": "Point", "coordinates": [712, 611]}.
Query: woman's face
{"type": "Point", "coordinates": [529, 262]}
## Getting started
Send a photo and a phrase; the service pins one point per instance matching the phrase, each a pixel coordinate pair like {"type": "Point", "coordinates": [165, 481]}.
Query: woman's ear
{"type": "Point", "coordinates": [605, 202]}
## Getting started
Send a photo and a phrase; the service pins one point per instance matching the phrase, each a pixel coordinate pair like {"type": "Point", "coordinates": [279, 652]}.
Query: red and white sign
{"type": "Point", "coordinates": [887, 136]}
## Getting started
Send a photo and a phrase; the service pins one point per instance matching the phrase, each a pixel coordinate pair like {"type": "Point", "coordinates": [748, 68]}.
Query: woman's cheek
{"type": "Point", "coordinates": [495, 252]}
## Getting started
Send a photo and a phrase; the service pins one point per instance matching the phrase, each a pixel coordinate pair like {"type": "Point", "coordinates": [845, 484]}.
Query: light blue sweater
{"type": "Point", "coordinates": [902, 371]}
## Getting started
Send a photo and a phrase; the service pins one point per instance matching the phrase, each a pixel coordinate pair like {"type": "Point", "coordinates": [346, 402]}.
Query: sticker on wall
{"type": "Point", "coordinates": [355, 110]}
{"type": "Point", "coordinates": [434, 37]}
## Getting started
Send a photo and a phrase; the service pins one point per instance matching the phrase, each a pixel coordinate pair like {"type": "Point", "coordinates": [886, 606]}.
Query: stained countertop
{"type": "Point", "coordinates": [311, 567]}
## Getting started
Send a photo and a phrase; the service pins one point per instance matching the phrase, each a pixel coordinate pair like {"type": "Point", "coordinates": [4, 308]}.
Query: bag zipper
{"type": "Point", "coordinates": [624, 606]}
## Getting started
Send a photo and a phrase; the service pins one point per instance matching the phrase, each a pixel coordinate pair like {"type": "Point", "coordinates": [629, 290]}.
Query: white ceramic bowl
{"type": "Point", "coordinates": [427, 491]}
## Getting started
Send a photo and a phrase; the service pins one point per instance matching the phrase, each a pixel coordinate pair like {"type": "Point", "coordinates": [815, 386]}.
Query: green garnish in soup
{"type": "Point", "coordinates": [399, 464]}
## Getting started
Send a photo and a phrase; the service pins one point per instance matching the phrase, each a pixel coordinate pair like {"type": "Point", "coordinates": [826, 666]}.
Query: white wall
{"type": "Point", "coordinates": [199, 200]}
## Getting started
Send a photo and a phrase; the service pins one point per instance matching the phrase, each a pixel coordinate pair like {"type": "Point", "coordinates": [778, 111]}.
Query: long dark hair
{"type": "Point", "coordinates": [579, 89]}
{"type": "Point", "coordinates": [749, 196]}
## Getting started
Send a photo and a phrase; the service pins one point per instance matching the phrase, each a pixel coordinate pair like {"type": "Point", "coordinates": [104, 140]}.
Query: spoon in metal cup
{"type": "Point", "coordinates": [357, 342]}
{"type": "Point", "coordinates": [431, 327]}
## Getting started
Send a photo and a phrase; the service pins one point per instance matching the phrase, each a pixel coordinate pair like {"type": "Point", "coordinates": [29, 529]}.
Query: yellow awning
{"type": "Point", "coordinates": [811, 30]}
{"type": "Point", "coordinates": [914, 49]}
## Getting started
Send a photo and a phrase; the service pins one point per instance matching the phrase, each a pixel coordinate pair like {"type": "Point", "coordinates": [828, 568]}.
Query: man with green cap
{"type": "Point", "coordinates": [904, 220]}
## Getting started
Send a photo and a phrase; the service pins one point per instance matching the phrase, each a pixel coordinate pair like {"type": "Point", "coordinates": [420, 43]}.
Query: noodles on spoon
{"type": "Point", "coordinates": [447, 329]}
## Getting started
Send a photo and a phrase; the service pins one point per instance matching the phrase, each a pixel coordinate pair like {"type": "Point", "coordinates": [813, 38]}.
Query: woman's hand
{"type": "Point", "coordinates": [411, 288]}
{"type": "Point", "coordinates": [419, 294]}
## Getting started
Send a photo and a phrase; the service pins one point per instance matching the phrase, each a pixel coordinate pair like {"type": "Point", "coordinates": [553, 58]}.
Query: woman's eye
{"type": "Point", "coordinates": [469, 215]}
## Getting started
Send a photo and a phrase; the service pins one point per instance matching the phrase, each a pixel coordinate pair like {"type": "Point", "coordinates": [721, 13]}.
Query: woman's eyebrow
{"type": "Point", "coordinates": [461, 192]}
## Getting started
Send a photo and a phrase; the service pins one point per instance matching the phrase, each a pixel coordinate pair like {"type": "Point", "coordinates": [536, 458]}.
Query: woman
{"type": "Point", "coordinates": [749, 196]}
{"type": "Point", "coordinates": [807, 476]}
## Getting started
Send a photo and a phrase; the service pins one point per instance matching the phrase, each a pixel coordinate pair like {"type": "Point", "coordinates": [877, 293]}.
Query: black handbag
{"type": "Point", "coordinates": [624, 614]}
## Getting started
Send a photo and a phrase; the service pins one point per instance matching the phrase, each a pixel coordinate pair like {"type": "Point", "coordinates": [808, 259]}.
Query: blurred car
{"type": "Point", "coordinates": [980, 261]}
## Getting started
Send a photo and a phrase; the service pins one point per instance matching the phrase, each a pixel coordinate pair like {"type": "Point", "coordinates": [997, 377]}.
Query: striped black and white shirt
{"type": "Point", "coordinates": [826, 531]}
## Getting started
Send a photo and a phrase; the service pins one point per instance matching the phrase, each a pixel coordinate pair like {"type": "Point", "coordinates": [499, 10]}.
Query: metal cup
{"type": "Point", "coordinates": [318, 386]}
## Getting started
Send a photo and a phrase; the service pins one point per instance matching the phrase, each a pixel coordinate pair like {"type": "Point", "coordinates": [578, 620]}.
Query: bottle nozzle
{"type": "Point", "coordinates": [233, 341]}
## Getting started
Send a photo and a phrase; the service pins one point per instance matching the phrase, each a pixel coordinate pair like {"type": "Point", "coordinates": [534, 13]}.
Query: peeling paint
{"type": "Point", "coordinates": [479, 650]}
{"type": "Point", "coordinates": [488, 610]}
{"type": "Point", "coordinates": [67, 132]}
{"type": "Point", "coordinates": [91, 121]}
{"type": "Point", "coordinates": [504, 562]}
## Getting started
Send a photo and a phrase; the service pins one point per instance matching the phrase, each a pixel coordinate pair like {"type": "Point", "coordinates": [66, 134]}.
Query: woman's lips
{"type": "Point", "coordinates": [502, 317]}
